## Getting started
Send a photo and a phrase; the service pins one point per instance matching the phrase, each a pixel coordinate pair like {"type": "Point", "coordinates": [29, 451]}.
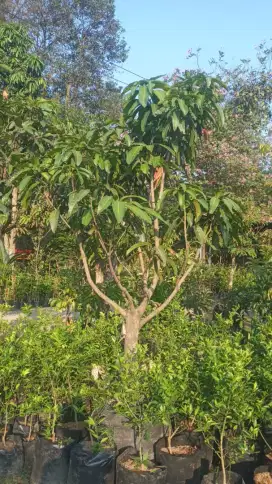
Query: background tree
{"type": "Point", "coordinates": [238, 158]}
{"type": "Point", "coordinates": [20, 77]}
{"type": "Point", "coordinates": [20, 70]}
{"type": "Point", "coordinates": [79, 41]}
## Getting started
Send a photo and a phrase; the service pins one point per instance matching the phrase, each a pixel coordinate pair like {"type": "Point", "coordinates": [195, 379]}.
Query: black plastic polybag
{"type": "Point", "coordinates": [87, 467]}
{"type": "Point", "coordinates": [51, 463]}
{"type": "Point", "coordinates": [128, 476]}
{"type": "Point", "coordinates": [217, 478]}
{"type": "Point", "coordinates": [11, 458]}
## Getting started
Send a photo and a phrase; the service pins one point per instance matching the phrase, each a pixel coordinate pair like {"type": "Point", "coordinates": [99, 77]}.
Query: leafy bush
{"type": "Point", "coordinates": [230, 403]}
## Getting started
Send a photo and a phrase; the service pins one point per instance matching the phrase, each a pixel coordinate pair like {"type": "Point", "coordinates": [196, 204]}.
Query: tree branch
{"type": "Point", "coordinates": [96, 289]}
{"type": "Point", "coordinates": [150, 290]}
{"type": "Point", "coordinates": [143, 269]}
{"type": "Point", "coordinates": [124, 291]}
{"type": "Point", "coordinates": [159, 309]}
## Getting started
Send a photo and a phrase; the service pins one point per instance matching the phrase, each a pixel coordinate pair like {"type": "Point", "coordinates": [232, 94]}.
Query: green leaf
{"type": "Point", "coordinates": [143, 95]}
{"type": "Point", "coordinates": [204, 203]}
{"type": "Point", "coordinates": [200, 235]}
{"type": "Point", "coordinates": [3, 208]}
{"type": "Point", "coordinates": [54, 220]}
{"type": "Point", "coordinates": [154, 108]}
{"type": "Point", "coordinates": [173, 265]}
{"type": "Point", "coordinates": [140, 213]}
{"type": "Point", "coordinates": [178, 124]}
{"type": "Point", "coordinates": [162, 255]}
{"type": "Point", "coordinates": [181, 200]}
{"type": "Point", "coordinates": [86, 218]}
{"type": "Point", "coordinates": [136, 246]}
{"type": "Point", "coordinates": [190, 218]}
{"type": "Point", "coordinates": [197, 209]}
{"type": "Point", "coordinates": [168, 148]}
{"type": "Point", "coordinates": [175, 122]}
{"type": "Point", "coordinates": [155, 214]}
{"type": "Point", "coordinates": [183, 106]}
{"type": "Point", "coordinates": [144, 120]}
{"type": "Point", "coordinates": [107, 166]}
{"type": "Point", "coordinates": [144, 167]}
{"type": "Point", "coordinates": [231, 205]}
{"type": "Point", "coordinates": [78, 157]}
{"type": "Point", "coordinates": [5, 68]}
{"type": "Point", "coordinates": [104, 203]}
{"type": "Point", "coordinates": [25, 181]}
{"type": "Point", "coordinates": [159, 94]}
{"type": "Point", "coordinates": [119, 209]}
{"type": "Point", "coordinates": [133, 153]}
{"type": "Point", "coordinates": [225, 219]}
{"type": "Point", "coordinates": [75, 198]}
{"type": "Point", "coordinates": [91, 421]}
{"type": "Point", "coordinates": [214, 202]}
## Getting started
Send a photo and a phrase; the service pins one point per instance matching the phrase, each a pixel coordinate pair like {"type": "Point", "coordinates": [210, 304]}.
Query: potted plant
{"type": "Point", "coordinates": [132, 390]}
{"type": "Point", "coordinates": [262, 360]}
{"type": "Point", "coordinates": [230, 400]}
{"type": "Point", "coordinates": [175, 405]}
{"type": "Point", "coordinates": [51, 459]}
{"type": "Point", "coordinates": [11, 375]}
{"type": "Point", "coordinates": [94, 459]}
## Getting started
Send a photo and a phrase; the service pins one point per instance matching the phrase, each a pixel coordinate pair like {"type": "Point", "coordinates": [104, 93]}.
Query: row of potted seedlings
{"type": "Point", "coordinates": [74, 456]}
{"type": "Point", "coordinates": [210, 390]}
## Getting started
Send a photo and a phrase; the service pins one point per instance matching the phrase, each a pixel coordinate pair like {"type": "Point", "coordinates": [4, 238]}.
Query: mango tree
{"type": "Point", "coordinates": [126, 190]}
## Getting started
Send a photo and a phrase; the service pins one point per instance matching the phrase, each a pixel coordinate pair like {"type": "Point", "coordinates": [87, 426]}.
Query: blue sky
{"type": "Point", "coordinates": [160, 32]}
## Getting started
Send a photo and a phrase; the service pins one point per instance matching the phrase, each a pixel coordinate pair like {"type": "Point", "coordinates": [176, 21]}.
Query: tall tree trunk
{"type": "Point", "coordinates": [232, 271]}
{"type": "Point", "coordinates": [10, 240]}
{"type": "Point", "coordinates": [99, 276]}
{"type": "Point", "coordinates": [132, 329]}
{"type": "Point", "coordinates": [203, 253]}
{"type": "Point", "coordinates": [3, 252]}
{"type": "Point", "coordinates": [14, 213]}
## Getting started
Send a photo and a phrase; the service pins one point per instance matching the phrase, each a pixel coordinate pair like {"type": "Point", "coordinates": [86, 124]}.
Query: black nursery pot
{"type": "Point", "coordinates": [127, 476]}
{"type": "Point", "coordinates": [29, 456]}
{"type": "Point", "coordinates": [11, 458]}
{"type": "Point", "coordinates": [72, 430]}
{"type": "Point", "coordinates": [87, 467]}
{"type": "Point", "coordinates": [246, 466]}
{"type": "Point", "coordinates": [217, 478]}
{"type": "Point", "coordinates": [51, 463]}
{"type": "Point", "coordinates": [185, 468]}
{"type": "Point", "coordinates": [182, 468]}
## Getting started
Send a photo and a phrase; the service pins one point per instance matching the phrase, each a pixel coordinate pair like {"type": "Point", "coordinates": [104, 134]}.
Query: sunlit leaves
{"type": "Point", "coordinates": [214, 202]}
{"type": "Point", "coordinates": [119, 209]}
{"type": "Point", "coordinates": [143, 95]}
{"type": "Point", "coordinates": [133, 153]}
{"type": "Point", "coordinates": [174, 114]}
{"type": "Point", "coordinates": [143, 215]}
{"type": "Point", "coordinates": [104, 203]}
{"type": "Point", "coordinates": [183, 106]}
{"type": "Point", "coordinates": [86, 218]}
{"type": "Point", "coordinates": [54, 219]}
{"type": "Point", "coordinates": [136, 246]}
{"type": "Point", "coordinates": [20, 70]}
{"type": "Point", "coordinates": [75, 198]}
{"type": "Point", "coordinates": [200, 235]}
